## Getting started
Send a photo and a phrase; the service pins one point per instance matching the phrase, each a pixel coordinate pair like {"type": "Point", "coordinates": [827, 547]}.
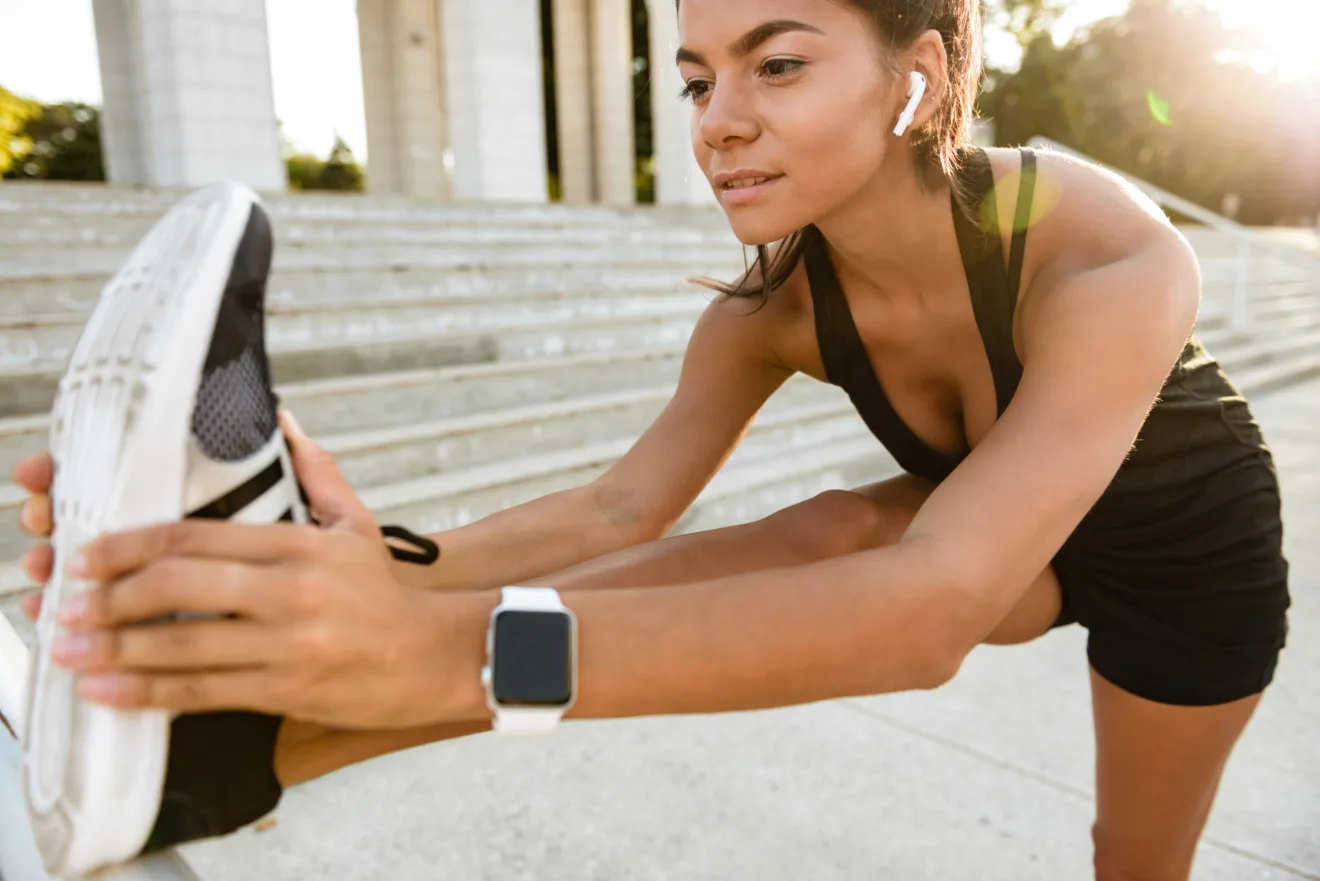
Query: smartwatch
{"type": "Point", "coordinates": [530, 675]}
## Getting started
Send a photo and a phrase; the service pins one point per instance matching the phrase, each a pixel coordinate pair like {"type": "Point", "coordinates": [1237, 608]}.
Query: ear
{"type": "Point", "coordinates": [927, 57]}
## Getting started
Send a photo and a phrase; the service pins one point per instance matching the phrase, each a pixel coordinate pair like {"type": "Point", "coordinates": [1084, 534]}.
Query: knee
{"type": "Point", "coordinates": [835, 523]}
{"type": "Point", "coordinates": [1116, 861]}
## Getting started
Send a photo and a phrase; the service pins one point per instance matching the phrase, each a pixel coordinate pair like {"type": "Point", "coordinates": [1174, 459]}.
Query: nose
{"type": "Point", "coordinates": [727, 117]}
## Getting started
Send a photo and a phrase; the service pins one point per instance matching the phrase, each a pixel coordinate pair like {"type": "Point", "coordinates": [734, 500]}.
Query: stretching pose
{"type": "Point", "coordinates": [1016, 329]}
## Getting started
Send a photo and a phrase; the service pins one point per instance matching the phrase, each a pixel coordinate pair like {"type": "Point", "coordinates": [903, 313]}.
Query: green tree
{"type": "Point", "coordinates": [14, 114]}
{"type": "Point", "coordinates": [58, 142]}
{"type": "Point", "coordinates": [339, 171]}
{"type": "Point", "coordinates": [1162, 92]}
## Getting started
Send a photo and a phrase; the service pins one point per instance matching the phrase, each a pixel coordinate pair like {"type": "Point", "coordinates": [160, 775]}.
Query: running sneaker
{"type": "Point", "coordinates": [166, 411]}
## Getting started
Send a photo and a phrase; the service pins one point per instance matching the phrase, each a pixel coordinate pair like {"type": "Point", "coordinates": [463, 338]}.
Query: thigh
{"type": "Point", "coordinates": [1157, 769]}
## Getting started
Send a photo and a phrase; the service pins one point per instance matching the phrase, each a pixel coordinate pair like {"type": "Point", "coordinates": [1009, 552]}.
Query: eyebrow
{"type": "Point", "coordinates": [747, 43]}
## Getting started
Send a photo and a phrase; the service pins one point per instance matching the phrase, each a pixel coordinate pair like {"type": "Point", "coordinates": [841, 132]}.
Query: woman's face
{"type": "Point", "coordinates": [793, 91]}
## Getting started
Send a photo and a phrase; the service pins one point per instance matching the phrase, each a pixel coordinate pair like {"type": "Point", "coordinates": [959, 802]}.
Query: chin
{"type": "Point", "coordinates": [762, 227]}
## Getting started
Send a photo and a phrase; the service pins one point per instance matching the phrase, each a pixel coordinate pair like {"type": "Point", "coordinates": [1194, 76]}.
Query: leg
{"type": "Point", "coordinates": [831, 524]}
{"type": "Point", "coordinates": [1157, 769]}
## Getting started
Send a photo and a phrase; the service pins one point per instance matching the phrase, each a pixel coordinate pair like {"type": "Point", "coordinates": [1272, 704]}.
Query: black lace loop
{"type": "Point", "coordinates": [427, 551]}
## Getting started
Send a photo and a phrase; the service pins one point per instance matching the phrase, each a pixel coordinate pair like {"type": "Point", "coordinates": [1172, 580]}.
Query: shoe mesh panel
{"type": "Point", "coordinates": [234, 416]}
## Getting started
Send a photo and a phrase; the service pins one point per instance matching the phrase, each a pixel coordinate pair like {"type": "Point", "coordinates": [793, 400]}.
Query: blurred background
{"type": "Point", "coordinates": [1215, 100]}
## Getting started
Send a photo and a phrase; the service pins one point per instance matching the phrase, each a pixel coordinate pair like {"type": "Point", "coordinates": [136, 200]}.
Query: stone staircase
{"type": "Point", "coordinates": [460, 359]}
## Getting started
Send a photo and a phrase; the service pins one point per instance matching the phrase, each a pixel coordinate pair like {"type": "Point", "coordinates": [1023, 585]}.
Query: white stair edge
{"type": "Point", "coordinates": [493, 474]}
{"type": "Point", "coordinates": [338, 385]}
{"type": "Point", "coordinates": [754, 475]}
{"type": "Point", "coordinates": [576, 326]}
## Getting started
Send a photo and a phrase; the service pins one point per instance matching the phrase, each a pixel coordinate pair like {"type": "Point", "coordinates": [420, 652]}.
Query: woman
{"type": "Point", "coordinates": [1006, 325]}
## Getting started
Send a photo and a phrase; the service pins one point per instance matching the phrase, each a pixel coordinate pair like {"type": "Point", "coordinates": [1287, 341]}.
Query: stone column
{"type": "Point", "coordinates": [187, 93]}
{"type": "Point", "coordinates": [494, 91]}
{"type": "Point", "coordinates": [612, 101]}
{"type": "Point", "coordinates": [403, 90]}
{"type": "Point", "coordinates": [576, 142]}
{"type": "Point", "coordinates": [678, 178]}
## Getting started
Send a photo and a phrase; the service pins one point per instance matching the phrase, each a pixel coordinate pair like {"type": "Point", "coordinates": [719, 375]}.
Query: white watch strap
{"type": "Point", "coordinates": [529, 720]}
{"type": "Point", "coordinates": [533, 599]}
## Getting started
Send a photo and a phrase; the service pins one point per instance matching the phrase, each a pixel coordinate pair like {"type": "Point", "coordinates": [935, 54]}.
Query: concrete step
{"type": "Point", "coordinates": [30, 389]}
{"type": "Point", "coordinates": [1222, 271]}
{"type": "Point", "coordinates": [449, 500]}
{"type": "Point", "coordinates": [49, 230]}
{"type": "Point", "coordinates": [1250, 355]}
{"type": "Point", "coordinates": [48, 339]}
{"type": "Point", "coordinates": [1266, 303]}
{"type": "Point", "coordinates": [401, 399]}
{"type": "Point", "coordinates": [31, 294]}
{"type": "Point", "coordinates": [464, 467]}
{"type": "Point", "coordinates": [1272, 376]}
{"type": "Point", "coordinates": [738, 494]}
{"type": "Point", "coordinates": [15, 259]}
{"type": "Point", "coordinates": [100, 200]}
{"type": "Point", "coordinates": [37, 338]}
{"type": "Point", "coordinates": [377, 457]}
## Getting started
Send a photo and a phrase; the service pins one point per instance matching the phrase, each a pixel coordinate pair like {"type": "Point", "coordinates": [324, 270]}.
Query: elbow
{"type": "Point", "coordinates": [623, 519]}
{"type": "Point", "coordinates": [961, 623]}
{"type": "Point", "coordinates": [941, 664]}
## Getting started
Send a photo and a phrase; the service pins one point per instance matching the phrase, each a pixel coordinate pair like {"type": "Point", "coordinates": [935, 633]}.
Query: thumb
{"type": "Point", "coordinates": [328, 493]}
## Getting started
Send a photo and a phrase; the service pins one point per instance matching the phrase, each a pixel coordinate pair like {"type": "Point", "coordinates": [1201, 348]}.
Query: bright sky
{"type": "Point", "coordinates": [48, 52]}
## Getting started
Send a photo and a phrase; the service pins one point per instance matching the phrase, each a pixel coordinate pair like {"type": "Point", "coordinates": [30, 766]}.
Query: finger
{"type": "Point", "coordinates": [180, 646]}
{"type": "Point", "coordinates": [34, 473]}
{"type": "Point", "coordinates": [32, 607]}
{"type": "Point", "coordinates": [116, 554]}
{"type": "Point", "coordinates": [35, 518]}
{"type": "Point", "coordinates": [183, 692]}
{"type": "Point", "coordinates": [38, 563]}
{"type": "Point", "coordinates": [182, 585]}
{"type": "Point", "coordinates": [328, 491]}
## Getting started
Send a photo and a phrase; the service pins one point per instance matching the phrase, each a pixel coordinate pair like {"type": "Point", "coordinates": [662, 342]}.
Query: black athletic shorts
{"type": "Point", "coordinates": [1184, 589]}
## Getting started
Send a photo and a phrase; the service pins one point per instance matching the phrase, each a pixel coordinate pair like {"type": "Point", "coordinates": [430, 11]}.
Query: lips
{"type": "Point", "coordinates": [742, 178]}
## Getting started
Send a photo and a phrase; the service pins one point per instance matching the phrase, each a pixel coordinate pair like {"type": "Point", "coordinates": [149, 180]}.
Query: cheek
{"type": "Point", "coordinates": [831, 153]}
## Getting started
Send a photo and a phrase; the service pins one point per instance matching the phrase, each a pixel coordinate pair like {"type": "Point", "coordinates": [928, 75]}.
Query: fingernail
{"type": "Point", "coordinates": [72, 646]}
{"type": "Point", "coordinates": [98, 688]}
{"type": "Point", "coordinates": [78, 565]}
{"type": "Point", "coordinates": [292, 423]}
{"type": "Point", "coordinates": [74, 609]}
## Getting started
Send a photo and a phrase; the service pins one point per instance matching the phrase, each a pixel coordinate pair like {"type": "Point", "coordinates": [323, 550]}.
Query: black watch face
{"type": "Point", "coordinates": [533, 659]}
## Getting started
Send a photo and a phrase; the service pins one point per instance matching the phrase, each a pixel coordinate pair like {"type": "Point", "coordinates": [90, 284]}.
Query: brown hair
{"type": "Point", "coordinates": [937, 145]}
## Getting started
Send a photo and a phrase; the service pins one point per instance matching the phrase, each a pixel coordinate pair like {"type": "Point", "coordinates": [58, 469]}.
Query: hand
{"type": "Point", "coordinates": [34, 474]}
{"type": "Point", "coordinates": [320, 629]}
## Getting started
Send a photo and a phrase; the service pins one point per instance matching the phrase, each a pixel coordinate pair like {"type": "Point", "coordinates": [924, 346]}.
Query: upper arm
{"type": "Point", "coordinates": [1097, 347]}
{"type": "Point", "coordinates": [728, 374]}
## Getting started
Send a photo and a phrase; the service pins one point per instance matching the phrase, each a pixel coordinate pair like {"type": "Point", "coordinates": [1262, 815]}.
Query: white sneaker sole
{"type": "Point", "coordinates": [119, 435]}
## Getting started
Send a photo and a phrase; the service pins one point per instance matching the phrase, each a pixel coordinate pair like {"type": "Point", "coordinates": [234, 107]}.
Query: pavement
{"type": "Point", "coordinates": [989, 778]}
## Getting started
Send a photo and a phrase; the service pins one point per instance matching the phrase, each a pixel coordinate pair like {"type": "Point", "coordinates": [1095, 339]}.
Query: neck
{"type": "Point", "coordinates": [894, 235]}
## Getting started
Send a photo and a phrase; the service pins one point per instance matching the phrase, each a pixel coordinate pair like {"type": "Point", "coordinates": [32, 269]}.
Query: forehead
{"type": "Point", "coordinates": [710, 25]}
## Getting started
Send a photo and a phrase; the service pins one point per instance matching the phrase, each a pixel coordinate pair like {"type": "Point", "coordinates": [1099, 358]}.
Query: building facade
{"type": "Point", "coordinates": [456, 94]}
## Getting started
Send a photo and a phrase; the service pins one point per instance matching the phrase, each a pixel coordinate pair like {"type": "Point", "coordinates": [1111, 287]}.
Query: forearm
{"type": "Point", "coordinates": [870, 623]}
{"type": "Point", "coordinates": [534, 539]}
{"type": "Point", "coordinates": [879, 622]}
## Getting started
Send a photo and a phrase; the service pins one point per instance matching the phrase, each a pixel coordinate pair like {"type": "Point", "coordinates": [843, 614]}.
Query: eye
{"type": "Point", "coordinates": [775, 68]}
{"type": "Point", "coordinates": [695, 91]}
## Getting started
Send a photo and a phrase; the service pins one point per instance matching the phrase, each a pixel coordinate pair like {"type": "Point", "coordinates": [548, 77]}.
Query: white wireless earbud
{"type": "Point", "coordinates": [915, 93]}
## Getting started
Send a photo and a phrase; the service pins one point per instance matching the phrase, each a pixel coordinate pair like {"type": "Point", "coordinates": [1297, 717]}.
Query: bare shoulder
{"type": "Point", "coordinates": [1086, 219]}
